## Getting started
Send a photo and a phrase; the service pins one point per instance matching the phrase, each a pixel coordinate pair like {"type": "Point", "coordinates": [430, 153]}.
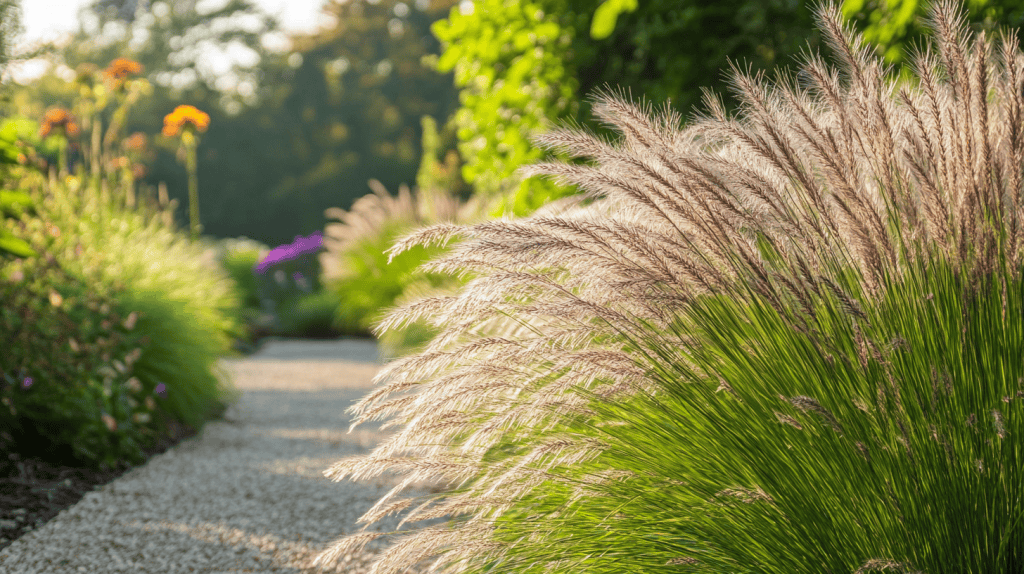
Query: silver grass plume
{"type": "Point", "coordinates": [828, 170]}
{"type": "Point", "coordinates": [374, 211]}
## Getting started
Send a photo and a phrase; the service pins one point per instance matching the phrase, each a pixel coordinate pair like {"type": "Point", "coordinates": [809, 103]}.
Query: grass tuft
{"type": "Point", "coordinates": [783, 341]}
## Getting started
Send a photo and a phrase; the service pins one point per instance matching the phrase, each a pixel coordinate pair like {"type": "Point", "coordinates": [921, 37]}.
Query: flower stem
{"type": "Point", "coordinates": [193, 183]}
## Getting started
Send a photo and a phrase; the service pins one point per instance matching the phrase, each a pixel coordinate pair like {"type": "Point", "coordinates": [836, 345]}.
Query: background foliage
{"type": "Point", "coordinates": [302, 129]}
{"type": "Point", "coordinates": [294, 131]}
{"type": "Point", "coordinates": [895, 25]}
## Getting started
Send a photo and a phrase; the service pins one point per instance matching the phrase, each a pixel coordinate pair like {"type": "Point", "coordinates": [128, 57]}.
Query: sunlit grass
{"type": "Point", "coordinates": [786, 341]}
{"type": "Point", "coordinates": [187, 308]}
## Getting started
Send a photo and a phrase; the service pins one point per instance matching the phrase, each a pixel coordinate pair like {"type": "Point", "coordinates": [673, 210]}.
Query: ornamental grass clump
{"type": "Point", "coordinates": [186, 309]}
{"type": "Point", "coordinates": [365, 280]}
{"type": "Point", "coordinates": [786, 341]}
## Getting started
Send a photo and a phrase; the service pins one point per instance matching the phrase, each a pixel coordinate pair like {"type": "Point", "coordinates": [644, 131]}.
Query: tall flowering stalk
{"type": "Point", "coordinates": [786, 342]}
{"type": "Point", "coordinates": [91, 100]}
{"type": "Point", "coordinates": [119, 77]}
{"type": "Point", "coordinates": [189, 122]}
{"type": "Point", "coordinates": [59, 124]}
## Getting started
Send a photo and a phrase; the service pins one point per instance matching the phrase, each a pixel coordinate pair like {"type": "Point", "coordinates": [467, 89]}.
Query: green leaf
{"type": "Point", "coordinates": [14, 202]}
{"type": "Point", "coordinates": [15, 246]}
{"type": "Point", "coordinates": [606, 15]}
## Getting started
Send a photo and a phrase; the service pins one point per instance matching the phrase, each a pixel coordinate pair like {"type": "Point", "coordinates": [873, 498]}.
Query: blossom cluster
{"type": "Point", "coordinates": [122, 68]}
{"type": "Point", "coordinates": [58, 118]}
{"type": "Point", "coordinates": [182, 116]}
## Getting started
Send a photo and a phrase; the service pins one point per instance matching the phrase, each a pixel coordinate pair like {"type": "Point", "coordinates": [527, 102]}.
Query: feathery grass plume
{"type": "Point", "coordinates": [786, 341]}
{"type": "Point", "coordinates": [365, 281]}
{"type": "Point", "coordinates": [375, 211]}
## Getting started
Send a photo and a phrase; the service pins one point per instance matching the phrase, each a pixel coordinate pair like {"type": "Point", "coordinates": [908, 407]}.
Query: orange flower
{"type": "Point", "coordinates": [121, 68]}
{"type": "Point", "coordinates": [183, 115]}
{"type": "Point", "coordinates": [136, 142]}
{"type": "Point", "coordinates": [58, 118]}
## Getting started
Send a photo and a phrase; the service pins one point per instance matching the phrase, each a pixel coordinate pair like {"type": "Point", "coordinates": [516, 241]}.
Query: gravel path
{"type": "Point", "coordinates": [246, 495]}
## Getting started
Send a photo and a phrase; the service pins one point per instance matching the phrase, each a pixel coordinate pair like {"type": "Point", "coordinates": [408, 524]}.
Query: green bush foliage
{"type": "Point", "coordinates": [522, 65]}
{"type": "Point", "coordinates": [13, 203]}
{"type": "Point", "coordinates": [893, 26]}
{"type": "Point", "coordinates": [184, 310]}
{"type": "Point", "coordinates": [786, 341]}
{"type": "Point", "coordinates": [70, 388]}
{"type": "Point", "coordinates": [238, 257]}
{"type": "Point", "coordinates": [509, 63]}
{"type": "Point", "coordinates": [310, 315]}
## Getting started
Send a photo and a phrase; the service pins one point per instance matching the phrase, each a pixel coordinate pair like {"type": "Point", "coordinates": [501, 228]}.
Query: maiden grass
{"type": "Point", "coordinates": [787, 341]}
{"type": "Point", "coordinates": [767, 456]}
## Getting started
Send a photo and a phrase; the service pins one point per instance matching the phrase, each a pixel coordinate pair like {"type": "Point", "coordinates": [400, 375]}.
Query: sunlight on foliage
{"type": "Point", "coordinates": [783, 341]}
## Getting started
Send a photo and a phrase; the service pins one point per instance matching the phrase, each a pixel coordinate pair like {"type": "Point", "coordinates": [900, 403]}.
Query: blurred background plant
{"type": "Point", "coordinates": [363, 276]}
{"type": "Point", "coordinates": [288, 286]}
{"type": "Point", "coordinates": [113, 320]}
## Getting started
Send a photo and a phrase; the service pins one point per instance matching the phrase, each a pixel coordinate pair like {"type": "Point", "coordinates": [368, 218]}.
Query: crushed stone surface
{"type": "Point", "coordinates": [247, 494]}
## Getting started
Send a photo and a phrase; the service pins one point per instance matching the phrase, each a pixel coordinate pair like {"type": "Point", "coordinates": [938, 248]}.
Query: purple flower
{"type": "Point", "coordinates": [297, 248]}
{"type": "Point", "coordinates": [161, 389]}
{"type": "Point", "coordinates": [26, 382]}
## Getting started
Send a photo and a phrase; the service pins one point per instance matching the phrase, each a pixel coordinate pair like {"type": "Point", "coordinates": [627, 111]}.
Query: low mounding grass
{"type": "Point", "coordinates": [783, 342]}
{"type": "Point", "coordinates": [186, 307]}
{"type": "Point", "coordinates": [238, 256]}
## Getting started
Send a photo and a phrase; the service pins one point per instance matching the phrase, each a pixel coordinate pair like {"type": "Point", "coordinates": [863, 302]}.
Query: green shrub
{"type": "Point", "coordinates": [239, 256]}
{"type": "Point", "coordinates": [186, 307]}
{"type": "Point", "coordinates": [783, 342]}
{"type": "Point", "coordinates": [70, 387]}
{"type": "Point", "coordinates": [310, 315]}
{"type": "Point", "coordinates": [12, 203]}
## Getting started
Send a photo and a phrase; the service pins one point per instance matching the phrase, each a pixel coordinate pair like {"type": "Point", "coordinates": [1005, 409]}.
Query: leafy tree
{"type": "Point", "coordinates": [354, 103]}
{"type": "Point", "coordinates": [179, 42]}
{"type": "Point", "coordinates": [292, 132]}
{"type": "Point", "coordinates": [522, 64]}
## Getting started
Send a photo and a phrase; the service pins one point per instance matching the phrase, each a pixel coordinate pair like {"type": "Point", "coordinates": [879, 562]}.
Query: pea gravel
{"type": "Point", "coordinates": [246, 495]}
